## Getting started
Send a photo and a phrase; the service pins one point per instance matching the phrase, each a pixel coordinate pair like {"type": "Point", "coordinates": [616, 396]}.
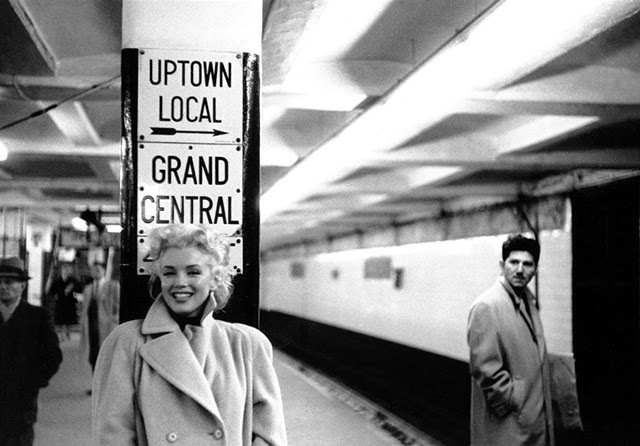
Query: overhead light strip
{"type": "Point", "coordinates": [512, 40]}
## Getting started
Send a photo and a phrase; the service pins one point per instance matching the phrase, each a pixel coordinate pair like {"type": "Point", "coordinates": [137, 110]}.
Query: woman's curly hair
{"type": "Point", "coordinates": [212, 244]}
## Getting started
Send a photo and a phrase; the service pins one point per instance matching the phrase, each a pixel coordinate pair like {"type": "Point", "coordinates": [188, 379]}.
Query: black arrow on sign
{"type": "Point", "coordinates": [171, 131]}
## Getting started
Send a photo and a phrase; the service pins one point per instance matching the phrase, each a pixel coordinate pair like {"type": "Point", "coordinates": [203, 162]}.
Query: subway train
{"type": "Point", "coordinates": [386, 310]}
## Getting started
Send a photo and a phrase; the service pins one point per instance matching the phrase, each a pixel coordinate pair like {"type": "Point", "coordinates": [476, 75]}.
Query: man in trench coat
{"type": "Point", "coordinates": [100, 312]}
{"type": "Point", "coordinates": [510, 394]}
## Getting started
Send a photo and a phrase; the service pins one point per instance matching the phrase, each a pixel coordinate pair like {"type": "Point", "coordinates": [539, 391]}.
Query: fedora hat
{"type": "Point", "coordinates": [13, 267]}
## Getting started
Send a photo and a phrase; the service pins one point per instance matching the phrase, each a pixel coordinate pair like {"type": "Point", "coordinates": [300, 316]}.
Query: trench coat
{"type": "Point", "coordinates": [510, 386]}
{"type": "Point", "coordinates": [107, 297]}
{"type": "Point", "coordinates": [211, 384]}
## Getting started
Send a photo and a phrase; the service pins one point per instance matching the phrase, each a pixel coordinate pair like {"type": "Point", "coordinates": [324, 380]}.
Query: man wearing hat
{"type": "Point", "coordinates": [29, 355]}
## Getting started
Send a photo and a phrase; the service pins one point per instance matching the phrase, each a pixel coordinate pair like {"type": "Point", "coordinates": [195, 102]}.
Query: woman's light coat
{"type": "Point", "coordinates": [206, 385]}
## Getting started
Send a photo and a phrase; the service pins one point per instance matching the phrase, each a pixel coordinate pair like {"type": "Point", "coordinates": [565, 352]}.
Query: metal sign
{"type": "Point", "coordinates": [190, 96]}
{"type": "Point", "coordinates": [235, 254]}
{"type": "Point", "coordinates": [189, 151]}
{"type": "Point", "coordinates": [189, 183]}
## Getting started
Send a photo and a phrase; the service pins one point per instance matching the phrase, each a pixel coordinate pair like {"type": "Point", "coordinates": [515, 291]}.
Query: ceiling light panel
{"type": "Point", "coordinates": [504, 45]}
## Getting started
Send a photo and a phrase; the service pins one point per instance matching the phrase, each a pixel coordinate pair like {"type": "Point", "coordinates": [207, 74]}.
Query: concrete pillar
{"type": "Point", "coordinates": [191, 91]}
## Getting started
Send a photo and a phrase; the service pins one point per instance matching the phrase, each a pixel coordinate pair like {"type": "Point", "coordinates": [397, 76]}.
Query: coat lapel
{"type": "Point", "coordinates": [525, 315]}
{"type": "Point", "coordinates": [520, 306]}
{"type": "Point", "coordinates": [533, 321]}
{"type": "Point", "coordinates": [537, 323]}
{"type": "Point", "coordinates": [171, 356]}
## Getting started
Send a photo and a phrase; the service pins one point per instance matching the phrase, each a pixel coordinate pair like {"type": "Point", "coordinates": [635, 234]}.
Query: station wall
{"type": "Point", "coordinates": [424, 299]}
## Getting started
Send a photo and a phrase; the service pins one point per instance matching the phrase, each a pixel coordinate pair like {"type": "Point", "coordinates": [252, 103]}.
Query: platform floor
{"type": "Point", "coordinates": [318, 410]}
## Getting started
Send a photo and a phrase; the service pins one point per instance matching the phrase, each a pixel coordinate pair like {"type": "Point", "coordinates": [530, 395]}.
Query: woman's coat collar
{"type": "Point", "coordinates": [159, 319]}
{"type": "Point", "coordinates": [172, 357]}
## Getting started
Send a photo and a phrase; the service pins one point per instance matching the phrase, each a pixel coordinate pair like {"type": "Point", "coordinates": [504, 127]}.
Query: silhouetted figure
{"type": "Point", "coordinates": [63, 292]}
{"type": "Point", "coordinates": [29, 356]}
{"type": "Point", "coordinates": [100, 311]}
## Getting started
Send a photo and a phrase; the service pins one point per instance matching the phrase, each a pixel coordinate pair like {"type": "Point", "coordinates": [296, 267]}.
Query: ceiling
{"type": "Point", "coordinates": [373, 112]}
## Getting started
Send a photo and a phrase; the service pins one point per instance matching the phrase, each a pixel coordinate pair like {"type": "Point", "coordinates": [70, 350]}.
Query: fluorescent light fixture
{"type": "Point", "coordinates": [428, 174]}
{"type": "Point", "coordinates": [105, 208]}
{"type": "Point", "coordinates": [60, 146]}
{"type": "Point", "coordinates": [331, 32]}
{"type": "Point", "coordinates": [275, 151]}
{"type": "Point", "coordinates": [270, 114]}
{"type": "Point", "coordinates": [329, 216]}
{"type": "Point", "coordinates": [315, 97]}
{"type": "Point", "coordinates": [331, 101]}
{"type": "Point", "coordinates": [4, 151]}
{"type": "Point", "coordinates": [458, 248]}
{"type": "Point", "coordinates": [274, 154]}
{"type": "Point", "coordinates": [110, 219]}
{"type": "Point", "coordinates": [323, 86]}
{"type": "Point", "coordinates": [541, 128]}
{"type": "Point", "coordinates": [513, 39]}
{"type": "Point", "coordinates": [79, 224]}
{"type": "Point", "coordinates": [337, 27]}
{"type": "Point", "coordinates": [114, 229]}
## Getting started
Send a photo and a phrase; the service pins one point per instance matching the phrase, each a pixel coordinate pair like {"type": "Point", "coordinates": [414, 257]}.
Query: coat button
{"type": "Point", "coordinates": [217, 434]}
{"type": "Point", "coordinates": [172, 437]}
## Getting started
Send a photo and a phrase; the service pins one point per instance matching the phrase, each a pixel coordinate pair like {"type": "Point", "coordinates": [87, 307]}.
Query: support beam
{"type": "Point", "coordinates": [435, 192]}
{"type": "Point", "coordinates": [365, 77]}
{"type": "Point", "coordinates": [24, 50]}
{"type": "Point", "coordinates": [104, 151]}
{"type": "Point", "coordinates": [9, 92]}
{"type": "Point", "coordinates": [81, 184]}
{"type": "Point", "coordinates": [72, 120]}
{"type": "Point", "coordinates": [605, 158]}
{"type": "Point", "coordinates": [596, 84]}
{"type": "Point", "coordinates": [493, 106]}
{"type": "Point", "coordinates": [581, 179]}
{"type": "Point", "coordinates": [480, 58]}
{"type": "Point", "coordinates": [283, 29]}
{"type": "Point", "coordinates": [20, 201]}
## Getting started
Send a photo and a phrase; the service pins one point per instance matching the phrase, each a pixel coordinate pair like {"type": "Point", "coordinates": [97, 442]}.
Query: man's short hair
{"type": "Point", "coordinates": [518, 242]}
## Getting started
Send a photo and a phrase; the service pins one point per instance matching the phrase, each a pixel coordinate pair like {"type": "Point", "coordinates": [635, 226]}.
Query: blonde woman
{"type": "Point", "coordinates": [181, 376]}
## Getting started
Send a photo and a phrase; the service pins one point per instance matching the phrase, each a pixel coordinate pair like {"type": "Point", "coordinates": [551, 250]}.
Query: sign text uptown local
{"type": "Point", "coordinates": [189, 153]}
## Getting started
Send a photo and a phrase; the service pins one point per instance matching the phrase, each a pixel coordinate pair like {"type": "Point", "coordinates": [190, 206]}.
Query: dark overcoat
{"type": "Point", "coordinates": [29, 356]}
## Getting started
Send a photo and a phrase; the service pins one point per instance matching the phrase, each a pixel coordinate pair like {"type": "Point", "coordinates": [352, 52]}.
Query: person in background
{"type": "Point", "coordinates": [62, 292]}
{"type": "Point", "coordinates": [180, 375]}
{"type": "Point", "coordinates": [100, 311]}
{"type": "Point", "coordinates": [510, 392]}
{"type": "Point", "coordinates": [29, 355]}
